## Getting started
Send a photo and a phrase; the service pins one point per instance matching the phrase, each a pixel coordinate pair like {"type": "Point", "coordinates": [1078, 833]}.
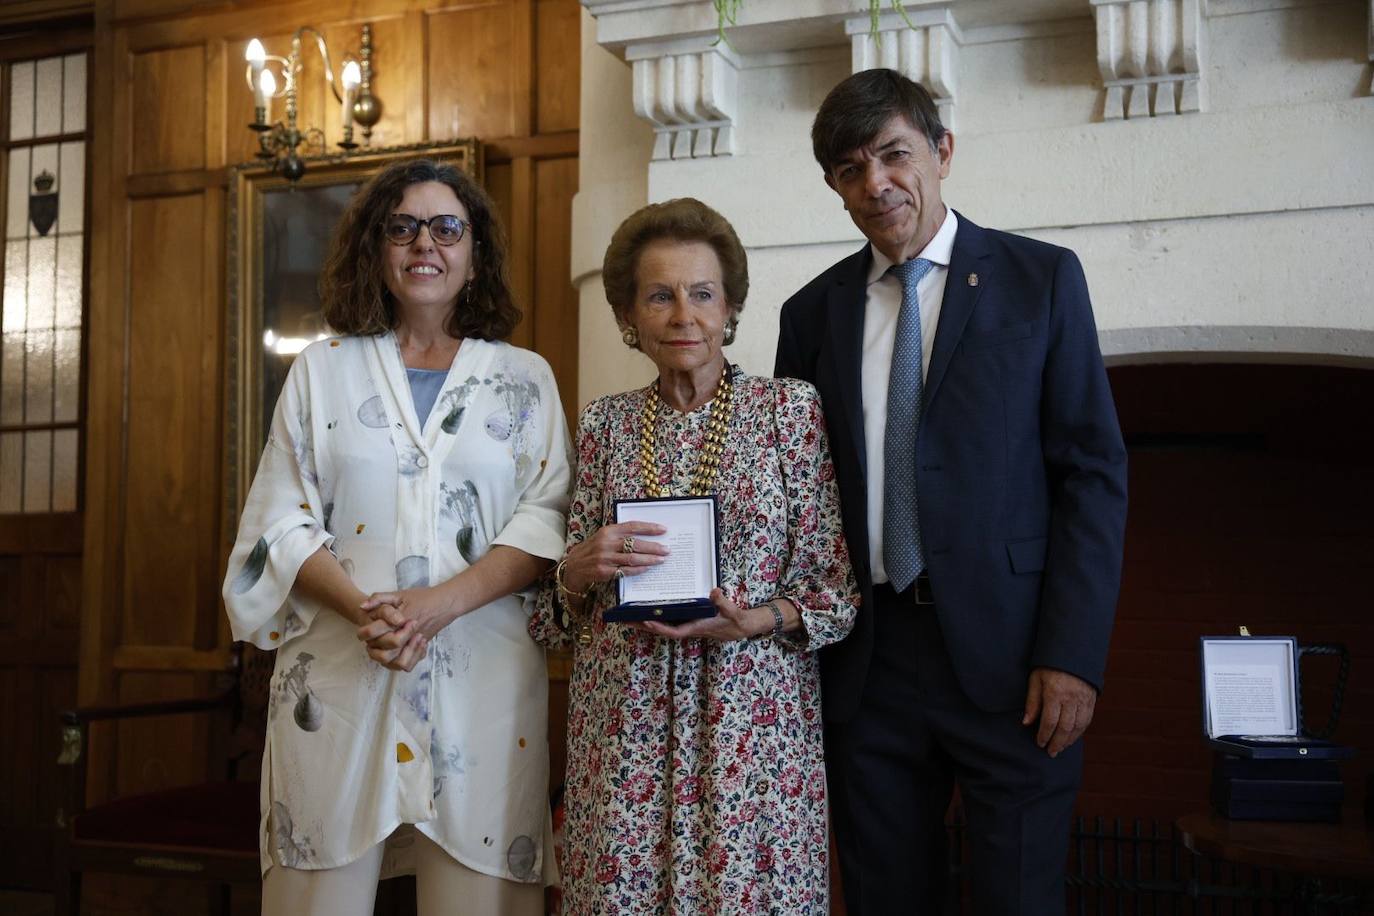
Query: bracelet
{"type": "Point", "coordinates": [565, 620]}
{"type": "Point", "coordinates": [772, 604]}
{"type": "Point", "coordinates": [558, 580]}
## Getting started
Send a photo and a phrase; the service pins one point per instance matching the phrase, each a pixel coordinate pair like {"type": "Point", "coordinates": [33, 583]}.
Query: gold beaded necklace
{"type": "Point", "coordinates": [708, 464]}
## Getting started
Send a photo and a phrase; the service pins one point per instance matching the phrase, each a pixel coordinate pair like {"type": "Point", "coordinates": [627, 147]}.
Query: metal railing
{"type": "Point", "coordinates": [1138, 869]}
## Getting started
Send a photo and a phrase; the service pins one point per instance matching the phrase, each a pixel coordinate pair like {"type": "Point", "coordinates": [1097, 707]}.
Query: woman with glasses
{"type": "Point", "coordinates": [413, 485]}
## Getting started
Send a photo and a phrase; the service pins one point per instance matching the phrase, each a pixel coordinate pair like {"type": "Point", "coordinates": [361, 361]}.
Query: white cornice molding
{"type": "Point", "coordinates": [686, 80]}
{"type": "Point", "coordinates": [686, 88]}
{"type": "Point", "coordinates": [923, 45]}
{"type": "Point", "coordinates": [1149, 53]}
{"type": "Point", "coordinates": [762, 25]}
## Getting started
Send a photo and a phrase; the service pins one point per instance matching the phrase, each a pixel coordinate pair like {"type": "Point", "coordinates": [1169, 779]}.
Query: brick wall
{"type": "Point", "coordinates": [1252, 502]}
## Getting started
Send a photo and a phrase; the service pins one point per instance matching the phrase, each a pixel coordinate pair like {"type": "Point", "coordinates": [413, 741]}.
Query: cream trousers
{"type": "Point", "coordinates": [444, 887]}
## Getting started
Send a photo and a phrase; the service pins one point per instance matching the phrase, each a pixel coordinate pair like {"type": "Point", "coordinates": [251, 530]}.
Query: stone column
{"type": "Point", "coordinates": [613, 181]}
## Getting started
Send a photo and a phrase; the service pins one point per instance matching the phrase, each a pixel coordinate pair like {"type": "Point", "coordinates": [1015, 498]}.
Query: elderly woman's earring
{"type": "Point", "coordinates": [729, 336]}
{"type": "Point", "coordinates": [630, 335]}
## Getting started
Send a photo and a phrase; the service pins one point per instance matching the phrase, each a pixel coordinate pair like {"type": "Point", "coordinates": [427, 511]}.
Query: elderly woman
{"type": "Point", "coordinates": [696, 782]}
{"type": "Point", "coordinates": [414, 482]}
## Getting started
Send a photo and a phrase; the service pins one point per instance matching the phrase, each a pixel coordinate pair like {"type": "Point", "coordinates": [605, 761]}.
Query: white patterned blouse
{"type": "Point", "coordinates": [457, 746]}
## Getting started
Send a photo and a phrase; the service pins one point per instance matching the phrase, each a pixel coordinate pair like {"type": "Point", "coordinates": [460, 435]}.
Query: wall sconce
{"type": "Point", "coordinates": [280, 142]}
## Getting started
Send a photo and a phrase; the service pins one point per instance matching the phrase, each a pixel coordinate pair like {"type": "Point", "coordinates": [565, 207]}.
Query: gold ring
{"type": "Point", "coordinates": [627, 545]}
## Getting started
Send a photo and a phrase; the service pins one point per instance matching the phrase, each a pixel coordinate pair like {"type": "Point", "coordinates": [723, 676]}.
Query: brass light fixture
{"type": "Point", "coordinates": [280, 142]}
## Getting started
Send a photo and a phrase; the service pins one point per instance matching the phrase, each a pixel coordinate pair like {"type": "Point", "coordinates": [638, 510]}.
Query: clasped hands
{"type": "Point", "coordinates": [613, 551]}
{"type": "Point", "coordinates": [400, 624]}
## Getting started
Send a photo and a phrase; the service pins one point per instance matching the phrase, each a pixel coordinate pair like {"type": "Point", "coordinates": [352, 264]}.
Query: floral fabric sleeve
{"type": "Point", "coordinates": [818, 577]}
{"type": "Point", "coordinates": [584, 519]}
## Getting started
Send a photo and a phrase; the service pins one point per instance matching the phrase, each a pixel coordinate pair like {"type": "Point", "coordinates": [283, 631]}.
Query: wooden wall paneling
{"type": "Point", "coordinates": [56, 691]}
{"type": "Point", "coordinates": [211, 628]}
{"type": "Point", "coordinates": [557, 65]}
{"type": "Point", "coordinates": [542, 146]}
{"type": "Point", "coordinates": [102, 558]}
{"type": "Point", "coordinates": [497, 180]}
{"type": "Point", "coordinates": [173, 658]}
{"type": "Point", "coordinates": [472, 71]}
{"type": "Point", "coordinates": [23, 697]}
{"type": "Point", "coordinates": [407, 81]}
{"type": "Point", "coordinates": [45, 40]}
{"type": "Point", "coordinates": [37, 679]}
{"type": "Point", "coordinates": [555, 302]}
{"type": "Point", "coordinates": [11, 605]}
{"type": "Point", "coordinates": [62, 589]}
{"type": "Point", "coordinates": [522, 67]}
{"type": "Point", "coordinates": [15, 13]}
{"type": "Point", "coordinates": [163, 184]}
{"type": "Point", "coordinates": [15, 796]}
{"type": "Point", "coordinates": [143, 9]}
{"type": "Point", "coordinates": [210, 428]}
{"type": "Point", "coordinates": [521, 229]}
{"type": "Point", "coordinates": [159, 752]}
{"type": "Point", "coordinates": [168, 92]}
{"type": "Point", "coordinates": [216, 73]}
{"type": "Point", "coordinates": [167, 525]}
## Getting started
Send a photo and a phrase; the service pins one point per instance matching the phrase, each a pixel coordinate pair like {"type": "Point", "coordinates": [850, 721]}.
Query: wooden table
{"type": "Point", "coordinates": [1344, 850]}
{"type": "Point", "coordinates": [1309, 851]}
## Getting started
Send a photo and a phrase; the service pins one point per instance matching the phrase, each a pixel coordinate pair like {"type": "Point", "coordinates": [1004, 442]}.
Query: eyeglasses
{"type": "Point", "coordinates": [402, 228]}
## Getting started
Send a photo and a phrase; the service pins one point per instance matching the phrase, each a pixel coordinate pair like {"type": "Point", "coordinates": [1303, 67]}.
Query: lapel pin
{"type": "Point", "coordinates": [972, 279]}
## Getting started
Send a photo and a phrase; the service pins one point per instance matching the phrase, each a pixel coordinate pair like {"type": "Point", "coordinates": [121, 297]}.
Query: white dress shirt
{"type": "Point", "coordinates": [883, 302]}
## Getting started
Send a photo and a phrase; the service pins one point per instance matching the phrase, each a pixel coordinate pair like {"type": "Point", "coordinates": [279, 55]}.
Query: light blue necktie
{"type": "Point", "coordinates": [902, 554]}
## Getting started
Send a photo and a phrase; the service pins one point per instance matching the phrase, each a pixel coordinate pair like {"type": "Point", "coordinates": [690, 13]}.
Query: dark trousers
{"type": "Point", "coordinates": [891, 772]}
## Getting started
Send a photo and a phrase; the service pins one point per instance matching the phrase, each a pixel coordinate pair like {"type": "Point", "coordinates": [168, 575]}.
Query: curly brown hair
{"type": "Point", "coordinates": [352, 289]}
{"type": "Point", "coordinates": [684, 219]}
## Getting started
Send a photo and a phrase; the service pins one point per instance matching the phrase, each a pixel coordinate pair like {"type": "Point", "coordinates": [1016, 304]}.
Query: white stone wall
{"type": "Point", "coordinates": [1242, 231]}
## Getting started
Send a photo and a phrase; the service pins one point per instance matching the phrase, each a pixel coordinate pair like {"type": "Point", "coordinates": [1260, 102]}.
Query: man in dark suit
{"type": "Point", "coordinates": [983, 481]}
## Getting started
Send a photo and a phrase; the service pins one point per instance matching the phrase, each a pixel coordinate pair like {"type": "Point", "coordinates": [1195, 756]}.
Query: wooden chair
{"type": "Point", "coordinates": [206, 833]}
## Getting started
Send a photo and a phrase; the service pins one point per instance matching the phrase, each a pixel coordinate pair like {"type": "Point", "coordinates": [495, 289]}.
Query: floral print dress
{"type": "Point", "coordinates": [457, 746]}
{"type": "Point", "coordinates": [696, 782]}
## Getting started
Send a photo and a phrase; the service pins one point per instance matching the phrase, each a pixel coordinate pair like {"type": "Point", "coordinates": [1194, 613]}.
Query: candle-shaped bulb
{"type": "Point", "coordinates": [267, 87]}
{"type": "Point", "coordinates": [352, 76]}
{"type": "Point", "coordinates": [257, 58]}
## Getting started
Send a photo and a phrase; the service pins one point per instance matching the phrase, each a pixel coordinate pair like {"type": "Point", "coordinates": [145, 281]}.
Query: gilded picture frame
{"type": "Point", "coordinates": [278, 235]}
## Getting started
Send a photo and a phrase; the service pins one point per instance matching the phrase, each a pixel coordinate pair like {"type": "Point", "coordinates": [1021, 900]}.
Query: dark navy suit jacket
{"type": "Point", "coordinates": [1021, 471]}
